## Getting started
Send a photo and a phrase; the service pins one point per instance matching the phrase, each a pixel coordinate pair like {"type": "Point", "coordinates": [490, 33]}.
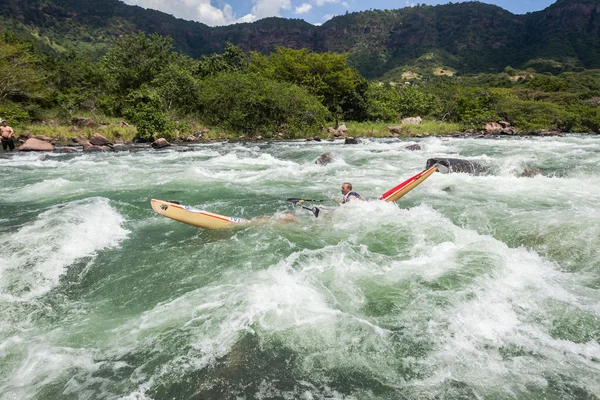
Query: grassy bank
{"type": "Point", "coordinates": [117, 131]}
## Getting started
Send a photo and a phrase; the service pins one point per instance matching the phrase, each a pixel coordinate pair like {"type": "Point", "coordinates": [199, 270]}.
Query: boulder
{"type": "Point", "coordinates": [458, 165]}
{"type": "Point", "coordinates": [413, 147]}
{"type": "Point", "coordinates": [324, 159]}
{"type": "Point", "coordinates": [88, 147]}
{"type": "Point", "coordinates": [412, 121]}
{"type": "Point", "coordinates": [83, 122]}
{"type": "Point", "coordinates": [160, 143]}
{"type": "Point", "coordinates": [66, 150]}
{"type": "Point", "coordinates": [351, 140]}
{"type": "Point", "coordinates": [395, 129]}
{"type": "Point", "coordinates": [530, 172]}
{"type": "Point", "coordinates": [493, 128]}
{"type": "Point", "coordinates": [33, 144]}
{"type": "Point", "coordinates": [45, 138]}
{"type": "Point", "coordinates": [99, 140]}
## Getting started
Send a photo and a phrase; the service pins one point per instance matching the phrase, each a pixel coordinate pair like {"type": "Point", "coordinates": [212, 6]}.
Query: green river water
{"type": "Point", "coordinates": [469, 287]}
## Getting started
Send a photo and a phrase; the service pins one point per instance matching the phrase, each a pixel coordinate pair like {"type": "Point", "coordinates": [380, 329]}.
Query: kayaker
{"type": "Point", "coordinates": [348, 194]}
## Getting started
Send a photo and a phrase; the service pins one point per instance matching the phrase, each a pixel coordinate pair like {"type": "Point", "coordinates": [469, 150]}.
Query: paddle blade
{"type": "Point", "coordinates": [442, 168]}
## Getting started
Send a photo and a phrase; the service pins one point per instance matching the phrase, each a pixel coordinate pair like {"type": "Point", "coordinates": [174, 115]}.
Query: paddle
{"type": "Point", "coordinates": [299, 200]}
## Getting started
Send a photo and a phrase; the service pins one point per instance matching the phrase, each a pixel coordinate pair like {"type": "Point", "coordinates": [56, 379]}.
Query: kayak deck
{"type": "Point", "coordinates": [191, 216]}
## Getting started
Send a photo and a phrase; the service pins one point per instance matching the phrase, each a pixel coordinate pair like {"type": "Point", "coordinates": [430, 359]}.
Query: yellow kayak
{"type": "Point", "coordinates": [191, 216]}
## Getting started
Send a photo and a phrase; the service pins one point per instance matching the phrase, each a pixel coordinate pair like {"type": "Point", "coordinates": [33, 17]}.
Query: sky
{"type": "Point", "coordinates": [316, 12]}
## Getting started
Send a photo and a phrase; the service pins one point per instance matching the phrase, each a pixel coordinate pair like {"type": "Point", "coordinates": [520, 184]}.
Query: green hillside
{"type": "Point", "coordinates": [467, 37]}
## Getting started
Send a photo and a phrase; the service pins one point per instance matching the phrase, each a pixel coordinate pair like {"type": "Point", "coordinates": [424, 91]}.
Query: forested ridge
{"type": "Point", "coordinates": [53, 71]}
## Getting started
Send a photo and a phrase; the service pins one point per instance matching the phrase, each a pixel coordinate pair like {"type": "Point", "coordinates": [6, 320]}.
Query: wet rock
{"type": "Point", "coordinates": [530, 172]}
{"type": "Point", "coordinates": [458, 165]}
{"type": "Point", "coordinates": [65, 150]}
{"type": "Point", "coordinates": [324, 159]}
{"type": "Point", "coordinates": [160, 143]}
{"type": "Point", "coordinates": [351, 140]}
{"type": "Point", "coordinates": [33, 144]}
{"type": "Point", "coordinates": [413, 147]}
{"type": "Point", "coordinates": [99, 140]}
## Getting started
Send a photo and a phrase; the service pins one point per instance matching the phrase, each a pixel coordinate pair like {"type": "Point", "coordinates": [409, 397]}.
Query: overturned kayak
{"type": "Point", "coordinates": [191, 216]}
{"type": "Point", "coordinates": [209, 220]}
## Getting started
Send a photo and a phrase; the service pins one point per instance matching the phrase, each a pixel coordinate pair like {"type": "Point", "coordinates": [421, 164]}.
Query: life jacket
{"type": "Point", "coordinates": [351, 194]}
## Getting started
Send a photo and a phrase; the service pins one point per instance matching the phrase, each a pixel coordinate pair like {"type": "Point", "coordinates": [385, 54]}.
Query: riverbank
{"type": "Point", "coordinates": [123, 134]}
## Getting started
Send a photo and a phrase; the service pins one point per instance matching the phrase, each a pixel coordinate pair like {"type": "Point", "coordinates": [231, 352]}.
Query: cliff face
{"type": "Point", "coordinates": [470, 37]}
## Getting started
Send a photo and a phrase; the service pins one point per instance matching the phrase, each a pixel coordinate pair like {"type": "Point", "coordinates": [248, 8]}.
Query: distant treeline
{"type": "Point", "coordinates": [293, 92]}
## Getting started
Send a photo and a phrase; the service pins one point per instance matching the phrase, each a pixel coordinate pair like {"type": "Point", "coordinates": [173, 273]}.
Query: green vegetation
{"type": "Point", "coordinates": [145, 82]}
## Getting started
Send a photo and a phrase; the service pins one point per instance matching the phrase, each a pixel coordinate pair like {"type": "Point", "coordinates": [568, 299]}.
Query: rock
{"type": "Point", "coordinates": [508, 131]}
{"type": "Point", "coordinates": [66, 150]}
{"type": "Point", "coordinates": [83, 122]}
{"type": "Point", "coordinates": [99, 140]}
{"type": "Point", "coordinates": [531, 172]}
{"type": "Point", "coordinates": [395, 129]}
{"type": "Point", "coordinates": [504, 124]}
{"type": "Point", "coordinates": [45, 138]}
{"type": "Point", "coordinates": [351, 140]}
{"type": "Point", "coordinates": [317, 139]}
{"type": "Point", "coordinates": [90, 148]}
{"type": "Point", "coordinates": [160, 143]}
{"type": "Point", "coordinates": [324, 159]}
{"type": "Point", "coordinates": [33, 144]}
{"type": "Point", "coordinates": [412, 121]}
{"type": "Point", "coordinates": [493, 128]}
{"type": "Point", "coordinates": [458, 165]}
{"type": "Point", "coordinates": [342, 128]}
{"type": "Point", "coordinates": [259, 137]}
{"type": "Point", "coordinates": [413, 147]}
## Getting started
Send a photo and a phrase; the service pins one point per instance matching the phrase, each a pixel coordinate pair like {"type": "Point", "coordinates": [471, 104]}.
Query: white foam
{"type": "Point", "coordinates": [38, 253]}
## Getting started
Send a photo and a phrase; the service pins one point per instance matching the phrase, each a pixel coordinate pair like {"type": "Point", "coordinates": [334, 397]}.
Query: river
{"type": "Point", "coordinates": [469, 287]}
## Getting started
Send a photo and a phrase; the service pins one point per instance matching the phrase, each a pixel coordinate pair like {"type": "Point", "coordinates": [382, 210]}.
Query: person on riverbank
{"type": "Point", "coordinates": [348, 194]}
{"type": "Point", "coordinates": [8, 142]}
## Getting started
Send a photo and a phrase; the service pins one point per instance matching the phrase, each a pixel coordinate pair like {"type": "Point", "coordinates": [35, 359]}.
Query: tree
{"type": "Point", "coordinates": [21, 75]}
{"type": "Point", "coordinates": [136, 60]}
{"type": "Point", "coordinates": [328, 76]}
{"type": "Point", "coordinates": [233, 59]}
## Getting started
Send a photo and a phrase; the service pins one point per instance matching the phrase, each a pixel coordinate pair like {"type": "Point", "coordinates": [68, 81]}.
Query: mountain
{"type": "Point", "coordinates": [467, 37]}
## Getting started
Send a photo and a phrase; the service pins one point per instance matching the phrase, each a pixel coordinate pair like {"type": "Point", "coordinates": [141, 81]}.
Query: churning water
{"type": "Point", "coordinates": [469, 287]}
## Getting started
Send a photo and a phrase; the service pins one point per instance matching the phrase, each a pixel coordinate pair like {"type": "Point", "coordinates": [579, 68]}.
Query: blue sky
{"type": "Point", "coordinates": [226, 12]}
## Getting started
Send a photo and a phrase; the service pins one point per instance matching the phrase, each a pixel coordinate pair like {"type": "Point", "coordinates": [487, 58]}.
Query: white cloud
{"type": "Point", "coordinates": [304, 8]}
{"type": "Point", "coordinates": [269, 8]}
{"type": "Point", "coordinates": [320, 3]}
{"type": "Point", "coordinates": [196, 10]}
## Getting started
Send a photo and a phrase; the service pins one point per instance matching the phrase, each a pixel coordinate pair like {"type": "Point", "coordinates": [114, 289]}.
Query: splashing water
{"type": "Point", "coordinates": [481, 286]}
